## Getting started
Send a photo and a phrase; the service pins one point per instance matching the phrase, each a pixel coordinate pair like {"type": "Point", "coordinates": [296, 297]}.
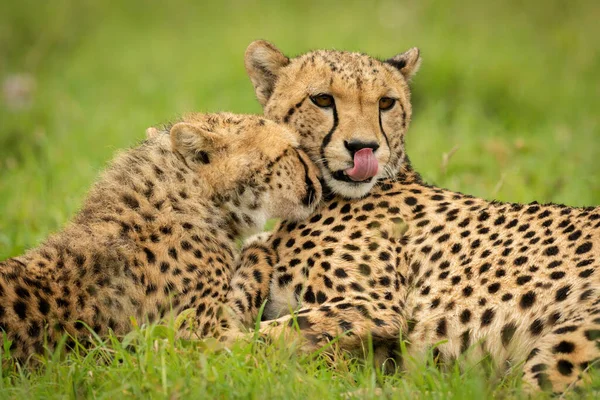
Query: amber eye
{"type": "Point", "coordinates": [385, 103]}
{"type": "Point", "coordinates": [322, 100]}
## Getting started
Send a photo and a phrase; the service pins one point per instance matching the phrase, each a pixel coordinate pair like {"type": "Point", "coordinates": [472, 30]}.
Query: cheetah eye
{"type": "Point", "coordinates": [385, 103]}
{"type": "Point", "coordinates": [322, 100]}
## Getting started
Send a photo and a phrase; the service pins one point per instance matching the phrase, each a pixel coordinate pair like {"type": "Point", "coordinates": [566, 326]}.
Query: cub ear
{"type": "Point", "coordinates": [407, 63]}
{"type": "Point", "coordinates": [263, 63]}
{"type": "Point", "coordinates": [152, 132]}
{"type": "Point", "coordinates": [197, 145]}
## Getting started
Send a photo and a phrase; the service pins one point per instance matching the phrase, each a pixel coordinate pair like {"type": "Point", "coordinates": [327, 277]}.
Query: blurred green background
{"type": "Point", "coordinates": [506, 103]}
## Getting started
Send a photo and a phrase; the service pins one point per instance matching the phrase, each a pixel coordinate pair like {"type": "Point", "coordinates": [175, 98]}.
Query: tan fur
{"type": "Point", "coordinates": [519, 283]}
{"type": "Point", "coordinates": [156, 235]}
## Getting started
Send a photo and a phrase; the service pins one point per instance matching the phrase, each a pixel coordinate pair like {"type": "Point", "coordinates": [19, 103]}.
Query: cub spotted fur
{"type": "Point", "coordinates": [157, 233]}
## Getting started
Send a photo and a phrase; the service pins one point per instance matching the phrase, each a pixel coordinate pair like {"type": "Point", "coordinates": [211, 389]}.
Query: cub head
{"type": "Point", "coordinates": [350, 110]}
{"type": "Point", "coordinates": [250, 165]}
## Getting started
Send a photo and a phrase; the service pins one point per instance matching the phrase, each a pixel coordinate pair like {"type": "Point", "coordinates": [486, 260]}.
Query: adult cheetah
{"type": "Point", "coordinates": [389, 255]}
{"type": "Point", "coordinates": [156, 234]}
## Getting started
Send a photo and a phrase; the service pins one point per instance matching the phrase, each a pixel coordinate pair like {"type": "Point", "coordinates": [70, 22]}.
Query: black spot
{"type": "Point", "coordinates": [584, 248]}
{"type": "Point", "coordinates": [564, 347]}
{"type": "Point", "coordinates": [411, 201]}
{"type": "Point", "coordinates": [586, 273]}
{"type": "Point", "coordinates": [527, 300]}
{"type": "Point", "coordinates": [551, 251]}
{"type": "Point", "coordinates": [340, 273]}
{"type": "Point", "coordinates": [487, 317]}
{"type": "Point", "coordinates": [130, 201]}
{"type": "Point", "coordinates": [164, 267]}
{"type": "Point", "coordinates": [456, 247]}
{"type": "Point", "coordinates": [364, 269]}
{"type": "Point", "coordinates": [329, 221]}
{"type": "Point", "coordinates": [321, 297]}
{"type": "Point", "coordinates": [564, 367]}
{"type": "Point", "coordinates": [565, 329]}
{"type": "Point", "coordinates": [43, 306]}
{"type": "Point", "coordinates": [539, 368]}
{"type": "Point", "coordinates": [523, 279]}
{"type": "Point", "coordinates": [557, 275]}
{"type": "Point", "coordinates": [441, 327]}
{"type": "Point", "coordinates": [368, 207]}
{"type": "Point", "coordinates": [309, 295]}
{"type": "Point", "coordinates": [493, 288]}
{"type": "Point", "coordinates": [483, 216]}
{"type": "Point", "coordinates": [338, 228]}
{"type": "Point", "coordinates": [465, 316]}
{"type": "Point", "coordinates": [467, 291]}
{"type": "Point", "coordinates": [508, 331]}
{"type": "Point", "coordinates": [536, 327]}
{"type": "Point", "coordinates": [149, 255]}
{"type": "Point", "coordinates": [484, 268]}
{"type": "Point", "coordinates": [521, 260]}
{"type": "Point", "coordinates": [284, 279]}
{"type": "Point", "coordinates": [500, 220]}
{"type": "Point", "coordinates": [347, 257]}
{"type": "Point", "coordinates": [345, 325]}
{"type": "Point", "coordinates": [563, 293]}
{"type": "Point", "coordinates": [308, 245]}
{"type": "Point", "coordinates": [22, 292]}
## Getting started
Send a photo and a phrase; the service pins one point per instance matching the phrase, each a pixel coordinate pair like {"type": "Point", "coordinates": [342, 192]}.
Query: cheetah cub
{"type": "Point", "coordinates": [157, 232]}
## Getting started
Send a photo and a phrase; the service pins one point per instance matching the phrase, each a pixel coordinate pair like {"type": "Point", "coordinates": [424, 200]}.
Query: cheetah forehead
{"type": "Point", "coordinates": [346, 68]}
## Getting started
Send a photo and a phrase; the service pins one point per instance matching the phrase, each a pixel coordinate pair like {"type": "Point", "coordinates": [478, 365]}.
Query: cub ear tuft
{"type": "Point", "coordinates": [263, 63]}
{"type": "Point", "coordinates": [407, 63]}
{"type": "Point", "coordinates": [197, 145]}
{"type": "Point", "coordinates": [152, 132]}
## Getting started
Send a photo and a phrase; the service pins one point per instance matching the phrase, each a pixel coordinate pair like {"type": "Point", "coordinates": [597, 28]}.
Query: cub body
{"type": "Point", "coordinates": [156, 234]}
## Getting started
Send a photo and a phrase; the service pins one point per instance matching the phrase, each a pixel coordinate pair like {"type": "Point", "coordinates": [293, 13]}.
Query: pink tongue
{"type": "Point", "coordinates": [365, 165]}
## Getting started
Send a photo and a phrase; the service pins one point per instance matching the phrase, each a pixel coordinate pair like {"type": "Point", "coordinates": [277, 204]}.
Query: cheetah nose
{"type": "Point", "coordinates": [355, 145]}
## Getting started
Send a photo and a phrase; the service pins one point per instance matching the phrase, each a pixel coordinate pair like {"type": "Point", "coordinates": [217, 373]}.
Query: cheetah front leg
{"type": "Point", "coordinates": [349, 322]}
{"type": "Point", "coordinates": [250, 282]}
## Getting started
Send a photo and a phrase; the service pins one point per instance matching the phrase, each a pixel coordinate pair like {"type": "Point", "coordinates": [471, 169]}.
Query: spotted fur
{"type": "Point", "coordinates": [156, 235]}
{"type": "Point", "coordinates": [519, 283]}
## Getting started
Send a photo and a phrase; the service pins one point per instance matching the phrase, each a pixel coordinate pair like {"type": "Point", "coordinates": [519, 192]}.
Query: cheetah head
{"type": "Point", "coordinates": [351, 111]}
{"type": "Point", "coordinates": [252, 165]}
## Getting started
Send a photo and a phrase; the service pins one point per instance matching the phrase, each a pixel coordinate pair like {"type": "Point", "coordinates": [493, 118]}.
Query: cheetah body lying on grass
{"type": "Point", "coordinates": [389, 256]}
{"type": "Point", "coordinates": [157, 232]}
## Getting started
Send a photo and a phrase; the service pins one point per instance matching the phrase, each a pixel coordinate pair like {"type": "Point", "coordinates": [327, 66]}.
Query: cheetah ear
{"type": "Point", "coordinates": [152, 132]}
{"type": "Point", "coordinates": [263, 63]}
{"type": "Point", "coordinates": [197, 145]}
{"type": "Point", "coordinates": [407, 63]}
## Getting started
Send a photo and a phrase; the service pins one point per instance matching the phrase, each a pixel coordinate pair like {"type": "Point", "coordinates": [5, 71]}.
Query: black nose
{"type": "Point", "coordinates": [355, 145]}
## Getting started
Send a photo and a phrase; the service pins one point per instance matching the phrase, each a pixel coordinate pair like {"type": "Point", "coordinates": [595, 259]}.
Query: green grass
{"type": "Point", "coordinates": [510, 89]}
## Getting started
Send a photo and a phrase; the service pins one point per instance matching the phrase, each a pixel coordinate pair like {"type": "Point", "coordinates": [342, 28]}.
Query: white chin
{"type": "Point", "coordinates": [350, 190]}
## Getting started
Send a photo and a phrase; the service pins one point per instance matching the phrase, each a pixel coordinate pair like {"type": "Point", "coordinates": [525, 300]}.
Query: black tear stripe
{"type": "Point", "coordinates": [384, 134]}
{"type": "Point", "coordinates": [327, 137]}
{"type": "Point", "coordinates": [310, 187]}
{"type": "Point", "coordinates": [403, 115]}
